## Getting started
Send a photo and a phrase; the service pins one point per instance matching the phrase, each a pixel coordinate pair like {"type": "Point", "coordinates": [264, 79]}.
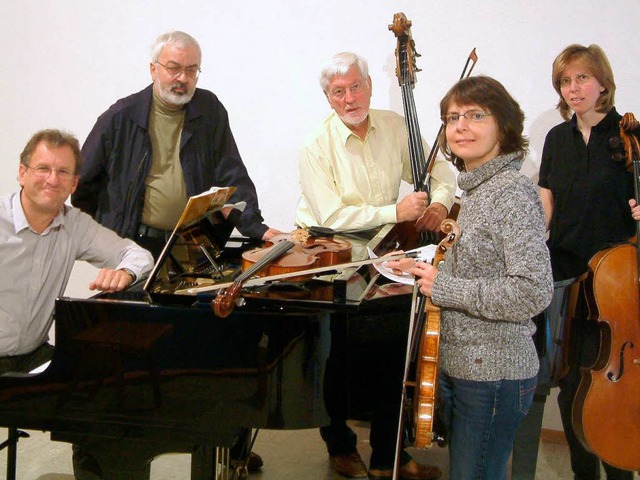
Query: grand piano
{"type": "Point", "coordinates": [154, 370]}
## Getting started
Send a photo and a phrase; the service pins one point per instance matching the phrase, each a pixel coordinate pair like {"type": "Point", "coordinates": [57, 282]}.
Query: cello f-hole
{"type": "Point", "coordinates": [611, 375]}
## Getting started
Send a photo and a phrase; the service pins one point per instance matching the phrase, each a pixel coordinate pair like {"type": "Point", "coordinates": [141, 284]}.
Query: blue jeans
{"type": "Point", "coordinates": [481, 419]}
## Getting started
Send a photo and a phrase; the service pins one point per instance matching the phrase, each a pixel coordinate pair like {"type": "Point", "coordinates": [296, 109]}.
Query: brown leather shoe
{"type": "Point", "coordinates": [411, 470]}
{"type": "Point", "coordinates": [349, 465]}
{"type": "Point", "coordinates": [254, 463]}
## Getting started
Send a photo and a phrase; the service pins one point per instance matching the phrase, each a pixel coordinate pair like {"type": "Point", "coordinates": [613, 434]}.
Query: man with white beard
{"type": "Point", "coordinates": [151, 151]}
{"type": "Point", "coordinates": [350, 173]}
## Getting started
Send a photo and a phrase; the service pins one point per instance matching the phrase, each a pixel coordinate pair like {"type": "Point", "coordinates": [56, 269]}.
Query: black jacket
{"type": "Point", "coordinates": [117, 158]}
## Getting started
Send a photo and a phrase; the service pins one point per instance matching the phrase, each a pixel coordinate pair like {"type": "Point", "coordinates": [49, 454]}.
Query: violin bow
{"type": "Point", "coordinates": [472, 59]}
{"type": "Point", "coordinates": [256, 281]}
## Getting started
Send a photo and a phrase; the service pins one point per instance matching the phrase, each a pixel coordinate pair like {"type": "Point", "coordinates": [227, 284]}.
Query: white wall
{"type": "Point", "coordinates": [66, 61]}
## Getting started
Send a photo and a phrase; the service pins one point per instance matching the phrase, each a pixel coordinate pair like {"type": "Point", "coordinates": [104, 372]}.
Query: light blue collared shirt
{"type": "Point", "coordinates": [35, 268]}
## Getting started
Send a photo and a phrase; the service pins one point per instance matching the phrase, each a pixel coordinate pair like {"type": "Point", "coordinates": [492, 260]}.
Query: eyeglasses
{"type": "Point", "coordinates": [471, 115]}
{"type": "Point", "coordinates": [175, 70]}
{"type": "Point", "coordinates": [355, 88]}
{"type": "Point", "coordinates": [580, 79]}
{"type": "Point", "coordinates": [45, 172]}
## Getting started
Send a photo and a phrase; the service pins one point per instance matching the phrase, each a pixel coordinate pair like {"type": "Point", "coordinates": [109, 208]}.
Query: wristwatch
{"type": "Point", "coordinates": [133, 275]}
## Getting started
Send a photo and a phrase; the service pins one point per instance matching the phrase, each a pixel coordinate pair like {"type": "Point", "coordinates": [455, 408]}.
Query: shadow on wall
{"type": "Point", "coordinates": [537, 133]}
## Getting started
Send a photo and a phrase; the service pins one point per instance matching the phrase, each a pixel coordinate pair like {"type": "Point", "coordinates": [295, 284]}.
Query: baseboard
{"type": "Point", "coordinates": [553, 436]}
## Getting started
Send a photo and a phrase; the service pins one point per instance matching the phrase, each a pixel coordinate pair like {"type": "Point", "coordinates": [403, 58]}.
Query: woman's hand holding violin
{"type": "Point", "coordinates": [425, 273]}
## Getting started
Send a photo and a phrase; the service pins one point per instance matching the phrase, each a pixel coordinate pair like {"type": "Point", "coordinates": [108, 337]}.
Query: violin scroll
{"type": "Point", "coordinates": [451, 231]}
{"type": "Point", "coordinates": [224, 303]}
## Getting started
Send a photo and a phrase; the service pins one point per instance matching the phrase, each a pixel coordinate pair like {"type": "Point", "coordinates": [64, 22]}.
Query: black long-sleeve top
{"type": "Point", "coordinates": [590, 191]}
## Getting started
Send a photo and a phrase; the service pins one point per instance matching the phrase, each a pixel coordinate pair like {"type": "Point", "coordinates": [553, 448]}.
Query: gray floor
{"type": "Point", "coordinates": [287, 455]}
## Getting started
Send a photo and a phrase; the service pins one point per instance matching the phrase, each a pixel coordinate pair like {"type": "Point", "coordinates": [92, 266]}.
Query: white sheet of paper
{"type": "Point", "coordinates": [425, 254]}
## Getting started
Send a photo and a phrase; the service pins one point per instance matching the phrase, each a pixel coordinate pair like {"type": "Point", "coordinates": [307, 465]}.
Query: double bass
{"type": "Point", "coordinates": [606, 410]}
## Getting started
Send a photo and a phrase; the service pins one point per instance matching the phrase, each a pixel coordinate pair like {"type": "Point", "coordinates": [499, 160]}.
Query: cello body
{"type": "Point", "coordinates": [606, 411]}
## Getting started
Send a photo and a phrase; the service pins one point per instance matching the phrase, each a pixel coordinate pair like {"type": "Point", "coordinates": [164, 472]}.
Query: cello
{"type": "Point", "coordinates": [606, 410]}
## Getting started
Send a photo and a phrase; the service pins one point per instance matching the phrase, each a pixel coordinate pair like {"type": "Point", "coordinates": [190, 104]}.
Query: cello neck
{"type": "Point", "coordinates": [628, 126]}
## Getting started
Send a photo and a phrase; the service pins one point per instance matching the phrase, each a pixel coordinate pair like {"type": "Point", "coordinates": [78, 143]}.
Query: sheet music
{"type": "Point", "coordinates": [425, 254]}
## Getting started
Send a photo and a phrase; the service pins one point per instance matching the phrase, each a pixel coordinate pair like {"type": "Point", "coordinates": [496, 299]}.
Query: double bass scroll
{"type": "Point", "coordinates": [405, 234]}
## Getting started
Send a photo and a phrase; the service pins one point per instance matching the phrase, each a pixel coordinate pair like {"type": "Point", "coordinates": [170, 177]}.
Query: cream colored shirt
{"type": "Point", "coordinates": [350, 184]}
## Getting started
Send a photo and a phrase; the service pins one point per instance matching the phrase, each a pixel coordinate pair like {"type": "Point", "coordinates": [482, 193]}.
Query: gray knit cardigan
{"type": "Point", "coordinates": [496, 277]}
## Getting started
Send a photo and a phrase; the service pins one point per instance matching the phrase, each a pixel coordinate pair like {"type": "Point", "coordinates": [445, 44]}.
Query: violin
{"type": "Point", "coordinates": [283, 255]}
{"type": "Point", "coordinates": [424, 404]}
{"type": "Point", "coordinates": [424, 331]}
{"type": "Point", "coordinates": [308, 252]}
{"type": "Point", "coordinates": [606, 410]}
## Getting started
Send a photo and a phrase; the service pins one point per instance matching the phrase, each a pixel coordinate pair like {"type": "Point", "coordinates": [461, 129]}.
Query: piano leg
{"type": "Point", "coordinates": [225, 463]}
{"type": "Point", "coordinates": [203, 461]}
{"type": "Point", "coordinates": [11, 444]}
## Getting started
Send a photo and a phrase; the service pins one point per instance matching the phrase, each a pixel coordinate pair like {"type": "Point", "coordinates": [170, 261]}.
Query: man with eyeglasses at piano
{"type": "Point", "coordinates": [151, 151]}
{"type": "Point", "coordinates": [40, 240]}
{"type": "Point", "coordinates": [350, 173]}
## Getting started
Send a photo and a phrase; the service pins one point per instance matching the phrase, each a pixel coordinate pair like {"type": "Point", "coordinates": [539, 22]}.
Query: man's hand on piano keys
{"type": "Point", "coordinates": [109, 280]}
